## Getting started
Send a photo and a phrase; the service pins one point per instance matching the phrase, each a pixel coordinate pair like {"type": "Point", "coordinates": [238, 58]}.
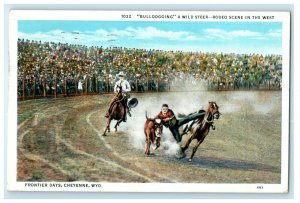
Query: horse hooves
{"type": "Point", "coordinates": [180, 155]}
{"type": "Point", "coordinates": [190, 159]}
{"type": "Point", "coordinates": [104, 134]}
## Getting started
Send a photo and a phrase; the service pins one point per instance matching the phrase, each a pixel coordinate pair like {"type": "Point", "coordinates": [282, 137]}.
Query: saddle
{"type": "Point", "coordinates": [115, 100]}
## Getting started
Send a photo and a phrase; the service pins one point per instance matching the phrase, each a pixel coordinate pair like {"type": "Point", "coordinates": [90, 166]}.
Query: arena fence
{"type": "Point", "coordinates": [36, 88]}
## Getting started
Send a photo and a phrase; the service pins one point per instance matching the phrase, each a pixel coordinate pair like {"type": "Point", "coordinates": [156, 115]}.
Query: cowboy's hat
{"type": "Point", "coordinates": [121, 74]}
{"type": "Point", "coordinates": [133, 102]}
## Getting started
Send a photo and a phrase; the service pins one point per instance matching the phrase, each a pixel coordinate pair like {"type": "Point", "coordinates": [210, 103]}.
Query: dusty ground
{"type": "Point", "coordinates": [61, 140]}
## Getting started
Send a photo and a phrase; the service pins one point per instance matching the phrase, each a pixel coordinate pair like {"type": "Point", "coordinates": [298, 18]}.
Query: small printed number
{"type": "Point", "coordinates": [260, 187]}
{"type": "Point", "coordinates": [126, 16]}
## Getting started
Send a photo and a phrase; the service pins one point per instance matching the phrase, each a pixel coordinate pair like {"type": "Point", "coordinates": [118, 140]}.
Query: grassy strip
{"type": "Point", "coordinates": [26, 109]}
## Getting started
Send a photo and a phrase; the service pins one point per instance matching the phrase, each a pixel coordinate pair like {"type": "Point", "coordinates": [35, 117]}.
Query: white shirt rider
{"type": "Point", "coordinates": [122, 82]}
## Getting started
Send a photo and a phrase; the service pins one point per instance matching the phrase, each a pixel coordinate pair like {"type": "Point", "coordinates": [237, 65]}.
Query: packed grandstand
{"type": "Point", "coordinates": [48, 68]}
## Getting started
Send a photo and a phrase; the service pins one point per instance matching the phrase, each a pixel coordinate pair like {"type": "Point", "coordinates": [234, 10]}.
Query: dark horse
{"type": "Point", "coordinates": [117, 110]}
{"type": "Point", "coordinates": [199, 128]}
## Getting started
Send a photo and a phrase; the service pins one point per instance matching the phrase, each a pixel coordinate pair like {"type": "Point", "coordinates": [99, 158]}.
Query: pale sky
{"type": "Point", "coordinates": [229, 37]}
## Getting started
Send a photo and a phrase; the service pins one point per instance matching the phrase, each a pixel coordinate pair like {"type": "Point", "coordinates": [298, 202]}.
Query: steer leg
{"type": "Point", "coordinates": [148, 142]}
{"type": "Point", "coordinates": [157, 143]}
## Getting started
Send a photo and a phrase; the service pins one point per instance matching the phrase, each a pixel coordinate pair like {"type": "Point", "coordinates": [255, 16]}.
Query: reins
{"type": "Point", "coordinates": [205, 120]}
{"type": "Point", "coordinates": [118, 101]}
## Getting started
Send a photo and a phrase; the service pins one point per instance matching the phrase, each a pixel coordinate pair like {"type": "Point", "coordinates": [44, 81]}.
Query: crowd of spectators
{"type": "Point", "coordinates": [58, 68]}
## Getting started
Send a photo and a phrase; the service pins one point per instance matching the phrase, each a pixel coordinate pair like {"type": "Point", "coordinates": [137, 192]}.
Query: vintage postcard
{"type": "Point", "coordinates": [148, 101]}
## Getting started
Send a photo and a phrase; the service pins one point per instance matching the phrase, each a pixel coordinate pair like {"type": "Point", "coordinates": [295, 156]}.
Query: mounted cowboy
{"type": "Point", "coordinates": [124, 84]}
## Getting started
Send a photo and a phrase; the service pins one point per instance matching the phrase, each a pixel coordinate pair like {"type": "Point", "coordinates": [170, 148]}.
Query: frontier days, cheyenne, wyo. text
{"type": "Point", "coordinates": [62, 185]}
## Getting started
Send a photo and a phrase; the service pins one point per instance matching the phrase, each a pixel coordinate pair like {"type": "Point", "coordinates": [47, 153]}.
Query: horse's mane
{"type": "Point", "coordinates": [119, 94]}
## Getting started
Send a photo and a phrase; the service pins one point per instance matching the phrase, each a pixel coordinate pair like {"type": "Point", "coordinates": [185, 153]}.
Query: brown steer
{"type": "Point", "coordinates": [153, 130]}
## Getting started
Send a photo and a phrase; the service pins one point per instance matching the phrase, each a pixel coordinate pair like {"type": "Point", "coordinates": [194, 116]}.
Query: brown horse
{"type": "Point", "coordinates": [153, 129]}
{"type": "Point", "coordinates": [199, 128]}
{"type": "Point", "coordinates": [116, 111]}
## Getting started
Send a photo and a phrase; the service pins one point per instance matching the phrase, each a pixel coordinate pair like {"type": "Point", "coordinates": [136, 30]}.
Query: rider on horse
{"type": "Point", "coordinates": [170, 121]}
{"type": "Point", "coordinates": [124, 84]}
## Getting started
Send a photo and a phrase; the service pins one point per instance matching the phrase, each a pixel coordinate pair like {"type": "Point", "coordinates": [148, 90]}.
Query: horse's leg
{"type": "Point", "coordinates": [117, 124]}
{"type": "Point", "coordinates": [104, 134]}
{"type": "Point", "coordinates": [187, 143]}
{"type": "Point", "coordinates": [108, 124]}
{"type": "Point", "coordinates": [195, 149]}
{"type": "Point", "coordinates": [198, 144]}
{"type": "Point", "coordinates": [107, 127]}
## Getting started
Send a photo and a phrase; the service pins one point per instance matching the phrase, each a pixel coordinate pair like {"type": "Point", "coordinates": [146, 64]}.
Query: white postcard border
{"type": "Point", "coordinates": [14, 185]}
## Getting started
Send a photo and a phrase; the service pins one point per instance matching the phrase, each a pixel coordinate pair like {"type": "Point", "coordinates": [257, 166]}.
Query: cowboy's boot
{"type": "Point", "coordinates": [125, 118]}
{"type": "Point", "coordinates": [125, 114]}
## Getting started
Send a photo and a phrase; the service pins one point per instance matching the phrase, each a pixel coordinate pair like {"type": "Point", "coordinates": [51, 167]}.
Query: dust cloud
{"type": "Point", "coordinates": [230, 102]}
{"type": "Point", "coordinates": [151, 103]}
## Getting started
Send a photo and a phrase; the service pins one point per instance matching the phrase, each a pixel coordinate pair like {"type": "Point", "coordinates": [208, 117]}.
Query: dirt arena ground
{"type": "Point", "coordinates": [61, 140]}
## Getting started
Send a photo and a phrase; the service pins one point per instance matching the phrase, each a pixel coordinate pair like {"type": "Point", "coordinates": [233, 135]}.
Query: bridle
{"type": "Point", "coordinates": [119, 94]}
{"type": "Point", "coordinates": [214, 115]}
